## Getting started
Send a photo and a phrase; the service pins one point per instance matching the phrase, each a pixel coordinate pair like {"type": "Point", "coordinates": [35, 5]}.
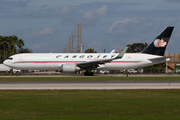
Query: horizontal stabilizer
{"type": "Point", "coordinates": [163, 57]}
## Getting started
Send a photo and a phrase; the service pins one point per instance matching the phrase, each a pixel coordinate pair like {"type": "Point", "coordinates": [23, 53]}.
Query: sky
{"type": "Point", "coordinates": [46, 25]}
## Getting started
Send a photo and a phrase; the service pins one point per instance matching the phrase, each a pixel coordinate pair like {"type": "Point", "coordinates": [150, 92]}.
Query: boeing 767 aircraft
{"type": "Point", "coordinates": [71, 62]}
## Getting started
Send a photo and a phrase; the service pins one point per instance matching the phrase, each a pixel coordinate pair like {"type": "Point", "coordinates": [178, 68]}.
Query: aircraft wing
{"type": "Point", "coordinates": [95, 63]}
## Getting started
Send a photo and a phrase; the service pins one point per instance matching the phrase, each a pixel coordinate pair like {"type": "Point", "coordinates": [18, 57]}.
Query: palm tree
{"type": "Point", "coordinates": [8, 46]}
{"type": "Point", "coordinates": [13, 40]}
{"type": "Point", "coordinates": [0, 46]}
{"type": "Point", "coordinates": [5, 45]}
{"type": "Point", "coordinates": [20, 43]}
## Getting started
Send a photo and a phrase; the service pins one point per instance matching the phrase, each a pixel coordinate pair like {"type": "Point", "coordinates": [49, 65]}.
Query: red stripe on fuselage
{"type": "Point", "coordinates": [75, 62]}
{"type": "Point", "coordinates": [127, 62]}
{"type": "Point", "coordinates": [42, 62]}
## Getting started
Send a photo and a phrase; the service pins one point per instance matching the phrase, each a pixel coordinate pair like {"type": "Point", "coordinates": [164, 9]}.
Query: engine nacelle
{"type": "Point", "coordinates": [69, 68]}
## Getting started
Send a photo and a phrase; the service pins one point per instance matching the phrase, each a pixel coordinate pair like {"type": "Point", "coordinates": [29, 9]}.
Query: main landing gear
{"type": "Point", "coordinates": [88, 73]}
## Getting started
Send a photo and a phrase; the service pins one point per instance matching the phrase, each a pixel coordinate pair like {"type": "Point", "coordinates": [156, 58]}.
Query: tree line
{"type": "Point", "coordinates": [10, 45]}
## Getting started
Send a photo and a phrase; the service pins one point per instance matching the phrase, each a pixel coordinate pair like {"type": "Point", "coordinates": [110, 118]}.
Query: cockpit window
{"type": "Point", "coordinates": [10, 58]}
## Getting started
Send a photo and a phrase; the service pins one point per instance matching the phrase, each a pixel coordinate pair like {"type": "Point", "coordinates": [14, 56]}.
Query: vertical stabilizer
{"type": "Point", "coordinates": [158, 46]}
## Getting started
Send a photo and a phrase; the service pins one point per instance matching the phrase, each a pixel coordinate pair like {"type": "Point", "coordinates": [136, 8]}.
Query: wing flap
{"type": "Point", "coordinates": [93, 63]}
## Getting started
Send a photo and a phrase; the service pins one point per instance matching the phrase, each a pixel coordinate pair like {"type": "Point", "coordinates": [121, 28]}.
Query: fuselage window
{"type": "Point", "coordinates": [90, 56]}
{"type": "Point", "coordinates": [66, 56]}
{"type": "Point", "coordinates": [82, 56]}
{"type": "Point", "coordinates": [9, 58]}
{"type": "Point", "coordinates": [58, 56]}
{"type": "Point", "coordinates": [74, 56]}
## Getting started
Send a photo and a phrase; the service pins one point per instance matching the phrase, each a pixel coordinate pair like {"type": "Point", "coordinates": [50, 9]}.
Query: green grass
{"type": "Point", "coordinates": [38, 79]}
{"type": "Point", "coordinates": [90, 105]}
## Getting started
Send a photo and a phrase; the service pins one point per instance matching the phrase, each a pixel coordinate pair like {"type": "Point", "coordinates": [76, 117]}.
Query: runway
{"type": "Point", "coordinates": [88, 85]}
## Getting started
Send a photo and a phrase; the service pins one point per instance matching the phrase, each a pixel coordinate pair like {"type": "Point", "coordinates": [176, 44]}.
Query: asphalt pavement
{"type": "Point", "coordinates": [89, 85]}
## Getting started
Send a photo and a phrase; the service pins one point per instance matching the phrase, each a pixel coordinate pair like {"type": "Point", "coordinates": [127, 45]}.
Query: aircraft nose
{"type": "Point", "coordinates": [5, 62]}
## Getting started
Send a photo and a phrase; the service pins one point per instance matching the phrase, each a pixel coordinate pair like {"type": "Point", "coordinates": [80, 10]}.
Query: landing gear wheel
{"type": "Point", "coordinates": [88, 74]}
{"type": "Point", "coordinates": [17, 73]}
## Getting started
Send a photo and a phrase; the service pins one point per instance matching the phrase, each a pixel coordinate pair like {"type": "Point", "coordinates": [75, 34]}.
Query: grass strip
{"type": "Point", "coordinates": [42, 79]}
{"type": "Point", "coordinates": [80, 105]}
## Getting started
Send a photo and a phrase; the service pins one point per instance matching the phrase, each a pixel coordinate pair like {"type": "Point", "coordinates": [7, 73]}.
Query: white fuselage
{"type": "Point", "coordinates": [54, 61]}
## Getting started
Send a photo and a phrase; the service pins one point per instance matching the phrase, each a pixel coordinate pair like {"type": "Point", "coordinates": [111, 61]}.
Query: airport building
{"type": "Point", "coordinates": [173, 65]}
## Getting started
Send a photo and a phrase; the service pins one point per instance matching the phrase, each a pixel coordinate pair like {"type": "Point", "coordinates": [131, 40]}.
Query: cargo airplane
{"type": "Point", "coordinates": [72, 62]}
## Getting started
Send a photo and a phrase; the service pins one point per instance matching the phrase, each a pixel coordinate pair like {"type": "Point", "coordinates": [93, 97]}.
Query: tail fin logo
{"type": "Point", "coordinates": [160, 43]}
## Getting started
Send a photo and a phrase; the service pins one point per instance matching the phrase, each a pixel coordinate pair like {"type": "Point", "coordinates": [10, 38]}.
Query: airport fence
{"type": "Point", "coordinates": [143, 71]}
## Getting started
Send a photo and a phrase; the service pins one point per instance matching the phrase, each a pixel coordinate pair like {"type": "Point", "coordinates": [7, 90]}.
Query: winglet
{"type": "Point", "coordinates": [113, 51]}
{"type": "Point", "coordinates": [122, 53]}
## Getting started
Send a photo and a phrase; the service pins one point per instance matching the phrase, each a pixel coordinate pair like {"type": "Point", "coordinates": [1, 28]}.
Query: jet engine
{"type": "Point", "coordinates": [69, 68]}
